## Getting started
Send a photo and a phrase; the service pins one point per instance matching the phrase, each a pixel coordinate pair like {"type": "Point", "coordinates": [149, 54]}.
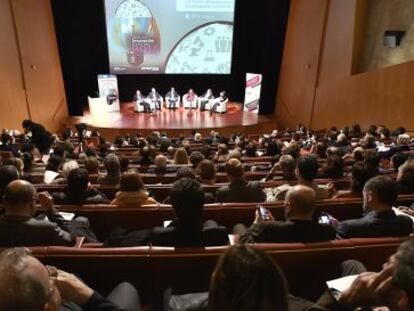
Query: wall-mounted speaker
{"type": "Point", "coordinates": [392, 38]}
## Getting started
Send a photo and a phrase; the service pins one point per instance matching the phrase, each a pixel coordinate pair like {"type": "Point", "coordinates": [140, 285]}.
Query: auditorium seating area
{"type": "Point", "coordinates": [153, 269]}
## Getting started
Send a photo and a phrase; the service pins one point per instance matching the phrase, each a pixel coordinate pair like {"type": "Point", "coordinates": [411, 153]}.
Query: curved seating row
{"type": "Point", "coordinates": [153, 269]}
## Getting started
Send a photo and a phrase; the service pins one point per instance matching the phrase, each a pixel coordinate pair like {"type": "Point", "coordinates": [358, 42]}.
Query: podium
{"type": "Point", "coordinates": [99, 108]}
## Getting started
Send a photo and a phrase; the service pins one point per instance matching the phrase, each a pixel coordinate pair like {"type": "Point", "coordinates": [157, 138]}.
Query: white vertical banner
{"type": "Point", "coordinates": [108, 88]}
{"type": "Point", "coordinates": [253, 89]}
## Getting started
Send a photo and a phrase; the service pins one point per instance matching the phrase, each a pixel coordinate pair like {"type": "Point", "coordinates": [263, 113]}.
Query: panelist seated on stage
{"type": "Point", "coordinates": [141, 103]}
{"type": "Point", "coordinates": [190, 99]}
{"type": "Point", "coordinates": [220, 103]}
{"type": "Point", "coordinates": [172, 99]}
{"type": "Point", "coordinates": [206, 100]}
{"type": "Point", "coordinates": [155, 99]}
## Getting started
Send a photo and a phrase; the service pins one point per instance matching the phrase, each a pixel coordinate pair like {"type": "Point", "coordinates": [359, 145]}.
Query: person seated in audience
{"type": "Point", "coordinates": [397, 160]}
{"type": "Point", "coordinates": [333, 169]}
{"type": "Point", "coordinates": [222, 153]}
{"type": "Point", "coordinates": [113, 170]}
{"type": "Point", "coordinates": [124, 163]}
{"type": "Point", "coordinates": [206, 172]}
{"type": "Point", "coordinates": [239, 189]}
{"type": "Point", "coordinates": [389, 289]}
{"type": "Point", "coordinates": [206, 151]}
{"type": "Point", "coordinates": [66, 169]}
{"type": "Point", "coordinates": [40, 138]}
{"type": "Point", "coordinates": [287, 165]}
{"type": "Point", "coordinates": [8, 173]}
{"type": "Point", "coordinates": [195, 158]}
{"type": "Point", "coordinates": [132, 191]}
{"type": "Point", "coordinates": [251, 150]}
{"type": "Point", "coordinates": [380, 194]}
{"type": "Point", "coordinates": [187, 199]}
{"type": "Point", "coordinates": [181, 156]}
{"type": "Point", "coordinates": [405, 177]}
{"type": "Point", "coordinates": [17, 163]}
{"type": "Point", "coordinates": [161, 166]}
{"type": "Point", "coordinates": [7, 144]}
{"type": "Point", "coordinates": [79, 191]}
{"type": "Point", "coordinates": [91, 165]}
{"type": "Point", "coordinates": [244, 279]}
{"type": "Point", "coordinates": [360, 175]}
{"type": "Point", "coordinates": [18, 227]}
{"type": "Point", "coordinates": [27, 284]}
{"type": "Point", "coordinates": [145, 156]}
{"type": "Point", "coordinates": [298, 227]}
{"type": "Point", "coordinates": [247, 279]}
{"type": "Point", "coordinates": [373, 160]}
{"type": "Point", "coordinates": [52, 168]}
{"type": "Point", "coordinates": [306, 171]}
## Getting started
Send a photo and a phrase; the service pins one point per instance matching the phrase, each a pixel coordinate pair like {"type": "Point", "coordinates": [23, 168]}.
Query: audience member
{"type": "Point", "coordinates": [19, 228]}
{"type": "Point", "coordinates": [113, 170]}
{"type": "Point", "coordinates": [8, 173]}
{"type": "Point", "coordinates": [187, 199]}
{"type": "Point", "coordinates": [27, 284]}
{"type": "Point", "coordinates": [405, 177]}
{"type": "Point", "coordinates": [239, 189]}
{"type": "Point", "coordinates": [206, 172]}
{"type": "Point", "coordinates": [380, 194]}
{"type": "Point", "coordinates": [181, 156]}
{"type": "Point", "coordinates": [298, 227]}
{"type": "Point", "coordinates": [161, 166]}
{"type": "Point", "coordinates": [360, 173]}
{"type": "Point", "coordinates": [79, 191]}
{"type": "Point", "coordinates": [132, 192]}
{"type": "Point", "coordinates": [91, 165]}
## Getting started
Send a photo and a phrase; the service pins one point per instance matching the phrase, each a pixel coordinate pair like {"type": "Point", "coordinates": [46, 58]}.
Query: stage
{"type": "Point", "coordinates": [176, 121]}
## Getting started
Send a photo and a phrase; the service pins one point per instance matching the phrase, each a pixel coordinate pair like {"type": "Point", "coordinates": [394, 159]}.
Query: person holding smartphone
{"type": "Point", "coordinates": [299, 225]}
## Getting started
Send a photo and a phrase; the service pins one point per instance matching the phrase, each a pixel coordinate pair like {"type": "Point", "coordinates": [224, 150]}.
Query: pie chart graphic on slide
{"type": "Point", "coordinates": [205, 50]}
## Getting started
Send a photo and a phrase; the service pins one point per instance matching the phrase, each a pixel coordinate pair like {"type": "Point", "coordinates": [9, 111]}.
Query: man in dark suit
{"type": "Point", "coordinates": [239, 189]}
{"type": "Point", "coordinates": [26, 284]}
{"type": "Point", "coordinates": [380, 194]}
{"type": "Point", "coordinates": [187, 199]}
{"type": "Point", "coordinates": [40, 137]}
{"type": "Point", "coordinates": [19, 228]}
{"type": "Point", "coordinates": [299, 225]}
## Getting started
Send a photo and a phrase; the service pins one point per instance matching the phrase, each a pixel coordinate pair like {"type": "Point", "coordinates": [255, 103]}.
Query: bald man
{"type": "Point", "coordinates": [26, 284]}
{"type": "Point", "coordinates": [161, 167]}
{"type": "Point", "coordinates": [18, 227]}
{"type": "Point", "coordinates": [299, 226]}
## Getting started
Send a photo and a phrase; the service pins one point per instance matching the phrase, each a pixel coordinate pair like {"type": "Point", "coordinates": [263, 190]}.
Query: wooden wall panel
{"type": "Point", "coordinates": [300, 61]}
{"type": "Point", "coordinates": [383, 96]}
{"type": "Point", "coordinates": [13, 105]}
{"type": "Point", "coordinates": [41, 63]}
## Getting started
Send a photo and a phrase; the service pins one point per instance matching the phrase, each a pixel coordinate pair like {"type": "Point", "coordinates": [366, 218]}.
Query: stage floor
{"type": "Point", "coordinates": [179, 119]}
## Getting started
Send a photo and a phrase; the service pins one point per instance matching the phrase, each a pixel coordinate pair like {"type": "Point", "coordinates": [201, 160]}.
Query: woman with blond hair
{"type": "Point", "coordinates": [181, 157]}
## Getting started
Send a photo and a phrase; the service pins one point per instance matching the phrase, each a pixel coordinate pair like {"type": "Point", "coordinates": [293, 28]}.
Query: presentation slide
{"type": "Point", "coordinates": [170, 36]}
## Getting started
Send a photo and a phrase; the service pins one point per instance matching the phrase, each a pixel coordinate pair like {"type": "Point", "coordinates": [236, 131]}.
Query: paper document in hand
{"type": "Point", "coordinates": [49, 176]}
{"type": "Point", "coordinates": [341, 284]}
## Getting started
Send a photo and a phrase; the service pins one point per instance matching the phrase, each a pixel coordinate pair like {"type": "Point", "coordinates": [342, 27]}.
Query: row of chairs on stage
{"type": "Point", "coordinates": [207, 102]}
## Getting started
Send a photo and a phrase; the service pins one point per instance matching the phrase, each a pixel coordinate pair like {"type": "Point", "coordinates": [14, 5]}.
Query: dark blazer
{"type": "Point", "coordinates": [376, 224]}
{"type": "Point", "coordinates": [40, 137]}
{"type": "Point", "coordinates": [241, 191]}
{"type": "Point", "coordinates": [162, 171]}
{"type": "Point", "coordinates": [91, 196]}
{"type": "Point", "coordinates": [27, 231]}
{"type": "Point", "coordinates": [290, 231]}
{"type": "Point", "coordinates": [177, 235]}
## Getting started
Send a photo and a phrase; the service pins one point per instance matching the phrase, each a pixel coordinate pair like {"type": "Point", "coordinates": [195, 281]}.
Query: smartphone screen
{"type": "Point", "coordinates": [264, 213]}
